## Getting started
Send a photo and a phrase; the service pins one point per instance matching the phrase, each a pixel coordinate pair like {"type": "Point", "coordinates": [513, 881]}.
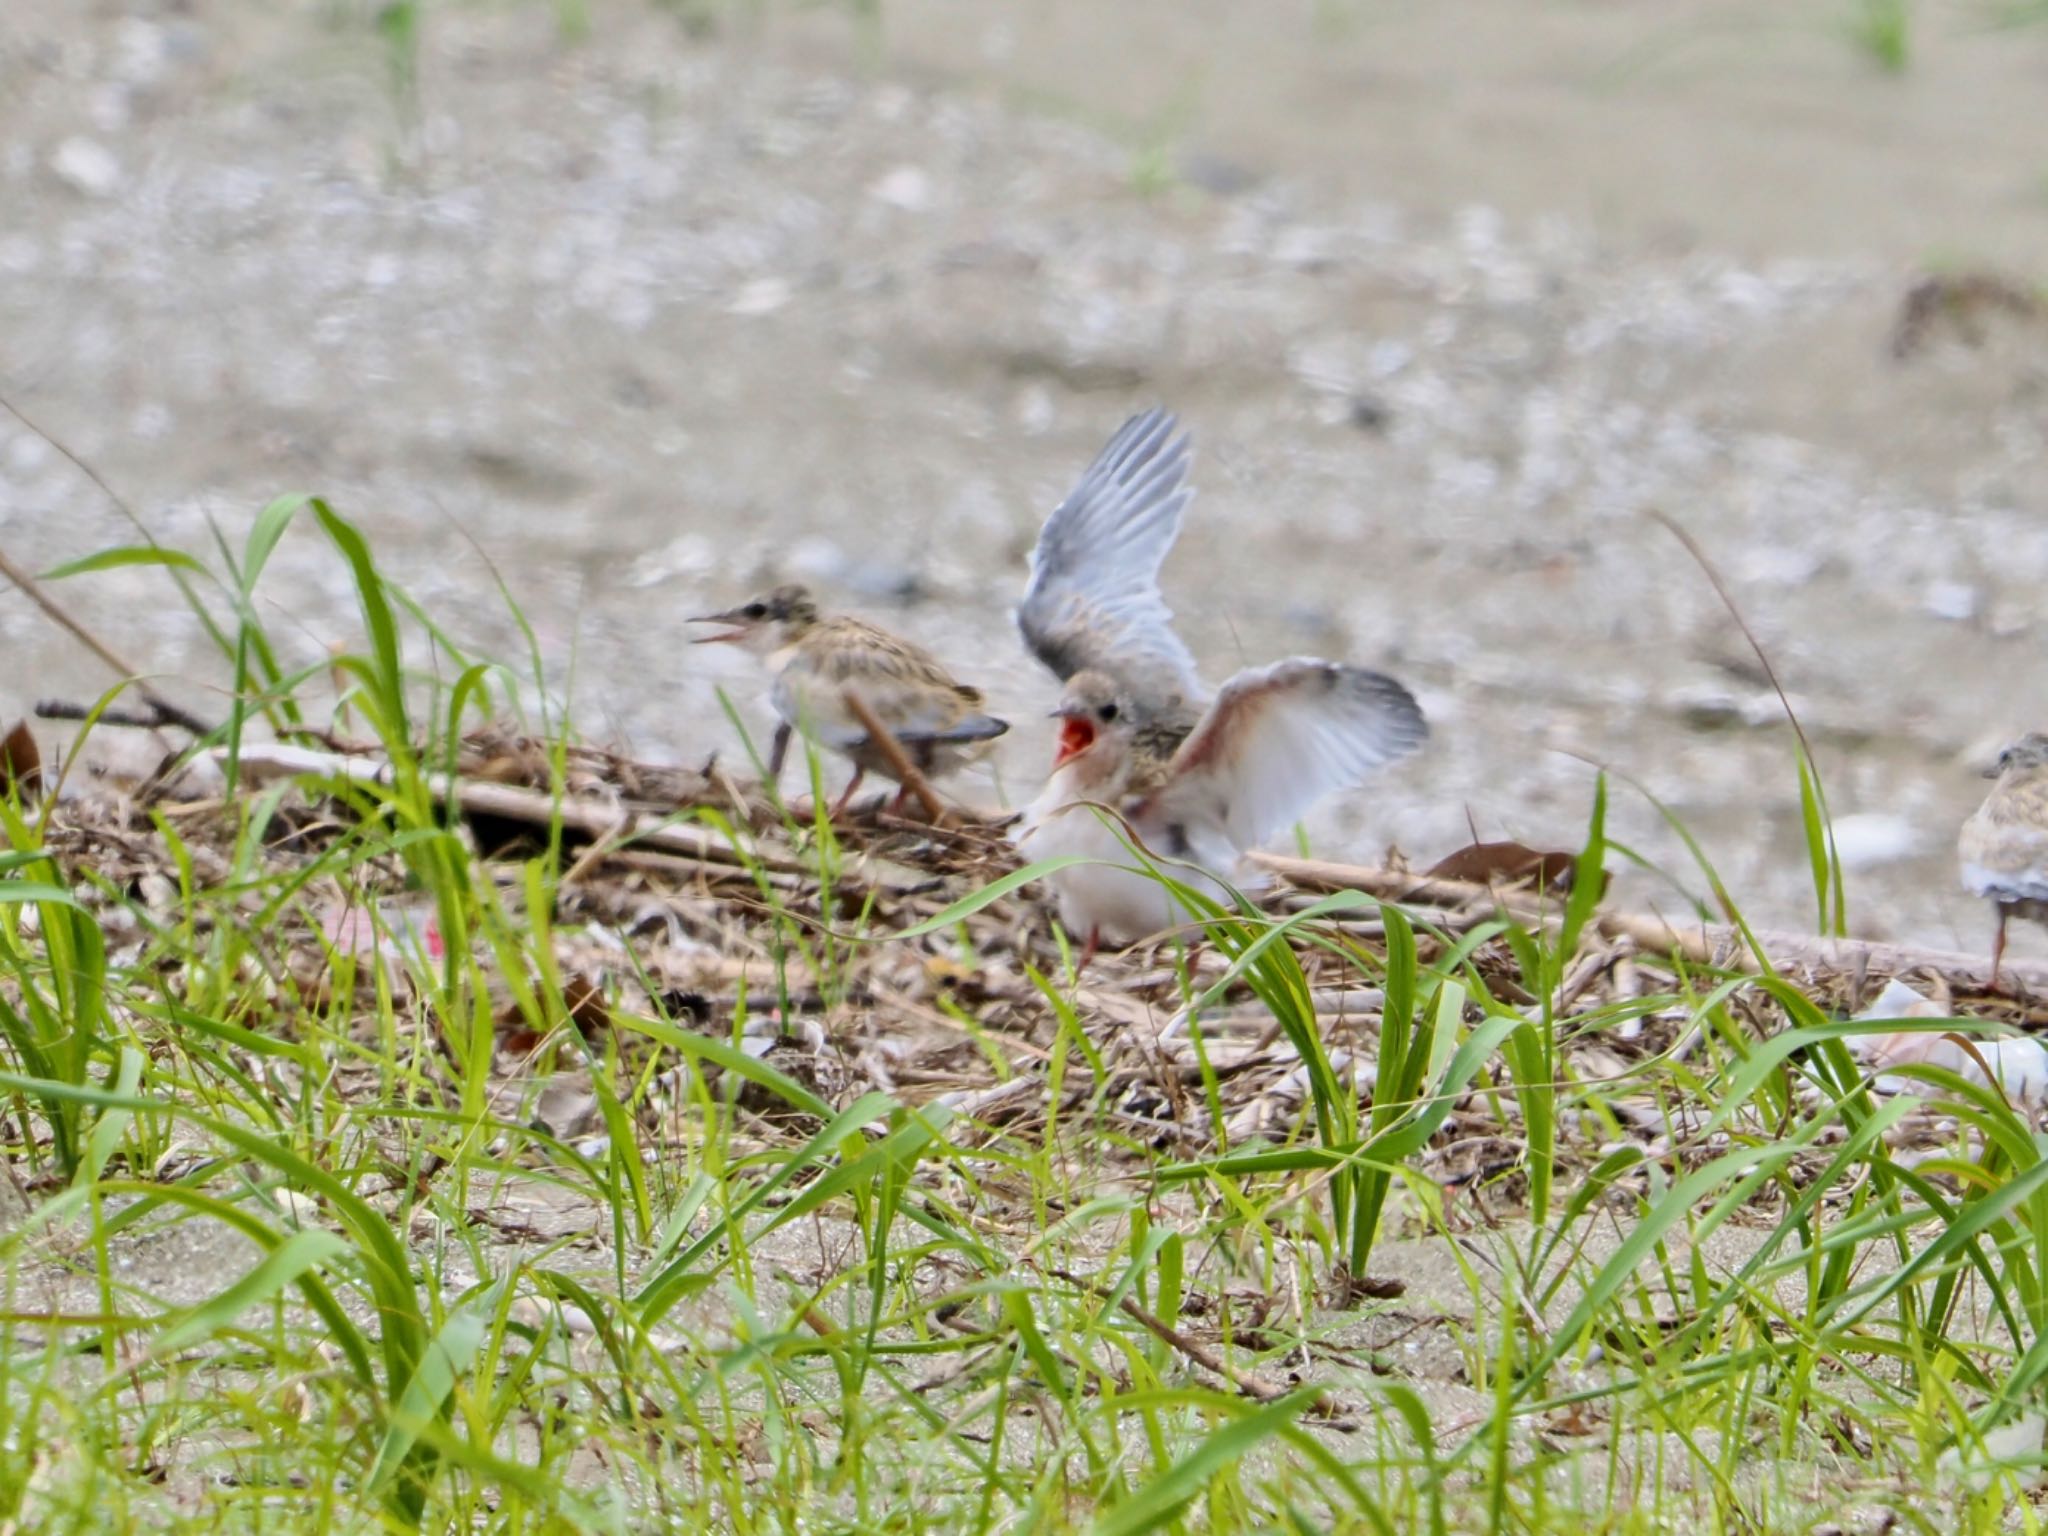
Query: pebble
{"type": "Point", "coordinates": [689, 554]}
{"type": "Point", "coordinates": [1779, 565]}
{"type": "Point", "coordinates": [762, 296]}
{"type": "Point", "coordinates": [1870, 838]}
{"type": "Point", "coordinates": [1956, 601]}
{"type": "Point", "coordinates": [86, 166]}
{"type": "Point", "coordinates": [304, 1210]}
{"type": "Point", "coordinates": [142, 52]}
{"type": "Point", "coordinates": [906, 188]}
{"type": "Point", "coordinates": [2011, 1451]}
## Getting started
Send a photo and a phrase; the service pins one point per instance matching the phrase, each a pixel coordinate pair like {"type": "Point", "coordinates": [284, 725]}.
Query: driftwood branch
{"type": "Point", "coordinates": [1700, 943]}
{"type": "Point", "coordinates": [616, 826]}
{"type": "Point", "coordinates": [900, 765]}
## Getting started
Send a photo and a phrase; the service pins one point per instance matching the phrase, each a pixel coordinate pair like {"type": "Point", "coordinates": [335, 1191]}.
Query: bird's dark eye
{"type": "Point", "coordinates": [1108, 712]}
{"type": "Point", "coordinates": [754, 611]}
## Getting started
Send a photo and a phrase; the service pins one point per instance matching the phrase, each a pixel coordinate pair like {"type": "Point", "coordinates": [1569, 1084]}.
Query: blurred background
{"type": "Point", "coordinates": [653, 304]}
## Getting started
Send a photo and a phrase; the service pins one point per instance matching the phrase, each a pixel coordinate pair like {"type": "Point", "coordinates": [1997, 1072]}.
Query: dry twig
{"type": "Point", "coordinates": [1698, 943]}
{"type": "Point", "coordinates": [900, 765]}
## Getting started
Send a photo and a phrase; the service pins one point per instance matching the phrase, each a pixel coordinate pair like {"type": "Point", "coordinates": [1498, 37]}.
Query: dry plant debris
{"type": "Point", "coordinates": [660, 913]}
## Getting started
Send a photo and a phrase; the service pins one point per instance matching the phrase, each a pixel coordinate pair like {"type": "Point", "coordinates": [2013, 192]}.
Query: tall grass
{"type": "Point", "coordinates": [299, 1253]}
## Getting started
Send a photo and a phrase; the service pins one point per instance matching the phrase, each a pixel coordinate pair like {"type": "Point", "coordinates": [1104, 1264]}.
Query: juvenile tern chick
{"type": "Point", "coordinates": [1275, 741]}
{"type": "Point", "coordinates": [2004, 845]}
{"type": "Point", "coordinates": [813, 661]}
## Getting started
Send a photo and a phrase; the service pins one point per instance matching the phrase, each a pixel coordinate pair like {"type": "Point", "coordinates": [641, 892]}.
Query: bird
{"type": "Point", "coordinates": [2004, 845]}
{"type": "Point", "coordinates": [1195, 779]}
{"type": "Point", "coordinates": [1273, 742]}
{"type": "Point", "coordinates": [815, 660]}
{"type": "Point", "coordinates": [1093, 602]}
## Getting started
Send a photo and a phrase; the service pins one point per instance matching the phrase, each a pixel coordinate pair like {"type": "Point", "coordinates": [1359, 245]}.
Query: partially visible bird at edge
{"type": "Point", "coordinates": [2004, 844]}
{"type": "Point", "coordinates": [1194, 781]}
{"type": "Point", "coordinates": [814, 659]}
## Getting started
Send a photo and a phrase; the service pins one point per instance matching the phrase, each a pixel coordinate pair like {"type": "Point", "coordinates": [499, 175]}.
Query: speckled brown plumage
{"type": "Point", "coordinates": [2003, 847]}
{"type": "Point", "coordinates": [814, 659]}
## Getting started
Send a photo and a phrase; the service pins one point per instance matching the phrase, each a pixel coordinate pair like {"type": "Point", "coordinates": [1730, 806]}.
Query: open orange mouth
{"type": "Point", "coordinates": [1076, 736]}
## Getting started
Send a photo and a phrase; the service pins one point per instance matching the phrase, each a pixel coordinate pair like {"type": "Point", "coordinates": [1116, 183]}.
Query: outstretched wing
{"type": "Point", "coordinates": [1276, 741]}
{"type": "Point", "coordinates": [1093, 601]}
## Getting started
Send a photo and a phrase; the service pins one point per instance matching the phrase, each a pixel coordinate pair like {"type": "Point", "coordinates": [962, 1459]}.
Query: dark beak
{"type": "Point", "coordinates": [730, 616]}
{"type": "Point", "coordinates": [1993, 771]}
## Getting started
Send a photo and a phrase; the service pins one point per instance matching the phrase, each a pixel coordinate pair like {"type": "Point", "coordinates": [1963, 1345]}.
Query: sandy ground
{"type": "Point", "coordinates": [1452, 296]}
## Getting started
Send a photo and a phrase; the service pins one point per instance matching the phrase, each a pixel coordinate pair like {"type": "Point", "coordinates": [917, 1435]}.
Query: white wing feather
{"type": "Point", "coordinates": [1093, 601]}
{"type": "Point", "coordinates": [1278, 739]}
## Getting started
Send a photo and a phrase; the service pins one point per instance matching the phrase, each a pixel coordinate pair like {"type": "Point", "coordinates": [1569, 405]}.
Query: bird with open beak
{"type": "Point", "coordinates": [1143, 754]}
{"type": "Point", "coordinates": [1276, 740]}
{"type": "Point", "coordinates": [815, 660]}
{"type": "Point", "coordinates": [2004, 845]}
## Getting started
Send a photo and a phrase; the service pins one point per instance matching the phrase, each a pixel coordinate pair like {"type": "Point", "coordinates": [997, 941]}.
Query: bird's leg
{"type": "Point", "coordinates": [777, 751]}
{"type": "Point", "coordinates": [902, 801]}
{"type": "Point", "coordinates": [852, 784]}
{"type": "Point", "coordinates": [1088, 950]}
{"type": "Point", "coordinates": [1998, 945]}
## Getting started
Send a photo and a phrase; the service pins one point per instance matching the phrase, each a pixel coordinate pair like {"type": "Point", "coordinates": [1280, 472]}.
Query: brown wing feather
{"type": "Point", "coordinates": [2004, 845]}
{"type": "Point", "coordinates": [1279, 738]}
{"type": "Point", "coordinates": [903, 683]}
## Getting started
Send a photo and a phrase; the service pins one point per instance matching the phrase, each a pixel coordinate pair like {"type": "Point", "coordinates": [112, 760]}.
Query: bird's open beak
{"type": "Point", "coordinates": [730, 616]}
{"type": "Point", "coordinates": [1077, 735]}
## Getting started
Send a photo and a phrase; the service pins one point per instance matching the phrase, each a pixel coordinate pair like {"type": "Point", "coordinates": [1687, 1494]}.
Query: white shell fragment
{"type": "Point", "coordinates": [2018, 1063]}
{"type": "Point", "coordinates": [2012, 1450]}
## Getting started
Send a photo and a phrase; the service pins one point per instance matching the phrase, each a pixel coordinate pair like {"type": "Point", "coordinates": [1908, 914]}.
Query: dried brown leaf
{"type": "Point", "coordinates": [1507, 863]}
{"type": "Point", "coordinates": [21, 761]}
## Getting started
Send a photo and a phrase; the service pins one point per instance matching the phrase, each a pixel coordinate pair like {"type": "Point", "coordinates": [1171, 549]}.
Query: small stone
{"type": "Point", "coordinates": [1307, 247]}
{"type": "Point", "coordinates": [1216, 175]}
{"type": "Point", "coordinates": [816, 559]}
{"type": "Point", "coordinates": [1956, 601]}
{"type": "Point", "coordinates": [87, 167]}
{"type": "Point", "coordinates": [142, 52]}
{"type": "Point", "coordinates": [26, 455]}
{"type": "Point", "coordinates": [1870, 838]}
{"type": "Point", "coordinates": [689, 554]}
{"type": "Point", "coordinates": [1779, 565]}
{"type": "Point", "coordinates": [1388, 358]}
{"type": "Point", "coordinates": [762, 296]}
{"type": "Point", "coordinates": [304, 1210]}
{"type": "Point", "coordinates": [566, 1106]}
{"type": "Point", "coordinates": [1369, 413]}
{"type": "Point", "coordinates": [1034, 411]}
{"type": "Point", "coordinates": [108, 107]}
{"type": "Point", "coordinates": [907, 188]}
